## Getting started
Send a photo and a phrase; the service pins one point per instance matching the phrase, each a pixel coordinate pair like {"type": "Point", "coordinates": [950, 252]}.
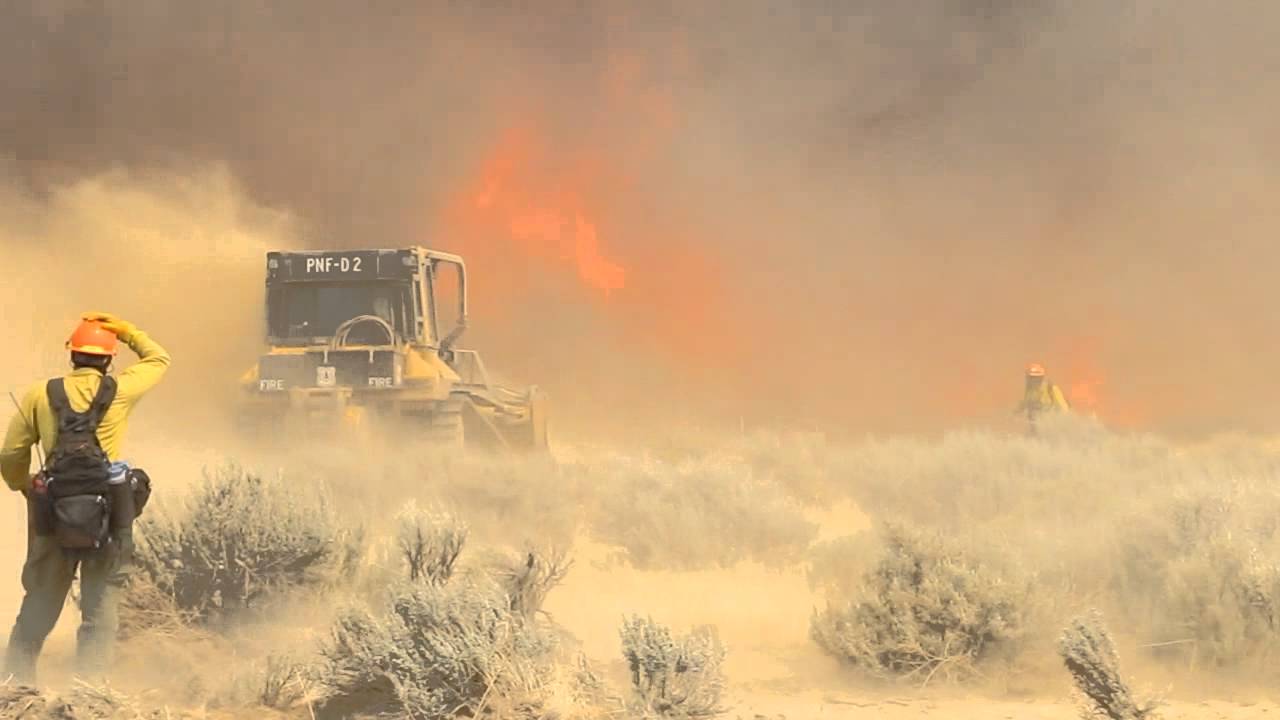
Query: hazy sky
{"type": "Point", "coordinates": [857, 214]}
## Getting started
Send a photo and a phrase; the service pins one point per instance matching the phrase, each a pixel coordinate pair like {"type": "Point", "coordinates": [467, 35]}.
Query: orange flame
{"type": "Point", "coordinates": [509, 200]}
{"type": "Point", "coordinates": [548, 220]}
{"type": "Point", "coordinates": [1088, 388]}
{"type": "Point", "coordinates": [1086, 394]}
{"type": "Point", "coordinates": [530, 216]}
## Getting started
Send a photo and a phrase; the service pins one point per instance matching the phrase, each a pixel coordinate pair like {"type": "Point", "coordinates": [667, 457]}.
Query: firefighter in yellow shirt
{"type": "Point", "coordinates": [1039, 397]}
{"type": "Point", "coordinates": [48, 571]}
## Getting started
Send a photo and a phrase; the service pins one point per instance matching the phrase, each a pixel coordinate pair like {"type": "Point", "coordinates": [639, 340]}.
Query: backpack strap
{"type": "Point", "coordinates": [102, 401]}
{"type": "Point", "coordinates": [56, 389]}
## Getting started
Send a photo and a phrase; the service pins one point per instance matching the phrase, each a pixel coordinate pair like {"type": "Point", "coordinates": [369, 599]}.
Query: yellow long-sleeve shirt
{"type": "Point", "coordinates": [36, 421]}
{"type": "Point", "coordinates": [1045, 397]}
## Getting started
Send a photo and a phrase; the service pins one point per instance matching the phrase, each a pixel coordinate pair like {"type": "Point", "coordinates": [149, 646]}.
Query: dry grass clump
{"type": "Point", "coordinates": [444, 646]}
{"type": "Point", "coordinates": [147, 608]}
{"type": "Point", "coordinates": [530, 578]}
{"type": "Point", "coordinates": [434, 652]}
{"type": "Point", "coordinates": [1090, 657]}
{"type": "Point", "coordinates": [22, 702]}
{"type": "Point", "coordinates": [924, 609]}
{"type": "Point", "coordinates": [429, 542]}
{"type": "Point", "coordinates": [82, 701]}
{"type": "Point", "coordinates": [283, 682]}
{"type": "Point", "coordinates": [277, 681]}
{"type": "Point", "coordinates": [673, 676]}
{"type": "Point", "coordinates": [237, 539]}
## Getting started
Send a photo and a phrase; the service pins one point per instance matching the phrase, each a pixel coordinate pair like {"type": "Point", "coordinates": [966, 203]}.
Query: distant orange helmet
{"type": "Point", "coordinates": [1035, 370]}
{"type": "Point", "coordinates": [91, 338]}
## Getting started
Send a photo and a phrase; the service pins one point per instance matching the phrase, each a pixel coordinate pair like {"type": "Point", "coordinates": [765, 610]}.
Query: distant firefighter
{"type": "Point", "coordinates": [1041, 396]}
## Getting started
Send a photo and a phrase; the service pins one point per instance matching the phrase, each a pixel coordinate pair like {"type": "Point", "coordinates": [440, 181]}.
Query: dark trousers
{"type": "Point", "coordinates": [46, 577]}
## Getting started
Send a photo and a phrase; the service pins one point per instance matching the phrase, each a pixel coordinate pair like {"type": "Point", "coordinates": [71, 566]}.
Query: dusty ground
{"type": "Point", "coordinates": [774, 671]}
{"type": "Point", "coordinates": [836, 707]}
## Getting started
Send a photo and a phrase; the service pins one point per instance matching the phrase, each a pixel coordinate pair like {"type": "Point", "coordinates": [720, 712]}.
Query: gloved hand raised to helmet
{"type": "Point", "coordinates": [122, 329]}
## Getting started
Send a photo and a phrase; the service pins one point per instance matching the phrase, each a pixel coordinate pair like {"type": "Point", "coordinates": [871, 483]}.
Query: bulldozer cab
{"type": "Point", "coordinates": [363, 298]}
{"type": "Point", "coordinates": [308, 314]}
{"type": "Point", "coordinates": [359, 334]}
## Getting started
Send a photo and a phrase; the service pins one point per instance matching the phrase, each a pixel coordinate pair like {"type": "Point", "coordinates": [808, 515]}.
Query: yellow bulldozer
{"type": "Point", "coordinates": [356, 338]}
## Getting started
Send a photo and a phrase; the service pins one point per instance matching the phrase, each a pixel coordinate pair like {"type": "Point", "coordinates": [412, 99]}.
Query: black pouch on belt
{"type": "Point", "coordinates": [140, 483]}
{"type": "Point", "coordinates": [122, 512]}
{"type": "Point", "coordinates": [42, 512]}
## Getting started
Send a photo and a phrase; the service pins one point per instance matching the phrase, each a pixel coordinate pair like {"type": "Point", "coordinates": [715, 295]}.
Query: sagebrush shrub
{"type": "Point", "coordinates": [446, 644]}
{"type": "Point", "coordinates": [673, 676]}
{"type": "Point", "coordinates": [434, 652]}
{"type": "Point", "coordinates": [429, 542]}
{"type": "Point", "coordinates": [1090, 657]}
{"type": "Point", "coordinates": [529, 578]}
{"type": "Point", "coordinates": [1200, 570]}
{"type": "Point", "coordinates": [924, 608]}
{"type": "Point", "coordinates": [234, 541]}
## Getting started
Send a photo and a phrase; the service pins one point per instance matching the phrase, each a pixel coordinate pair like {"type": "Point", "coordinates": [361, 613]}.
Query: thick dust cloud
{"type": "Point", "coordinates": [177, 255]}
{"type": "Point", "coordinates": [849, 214]}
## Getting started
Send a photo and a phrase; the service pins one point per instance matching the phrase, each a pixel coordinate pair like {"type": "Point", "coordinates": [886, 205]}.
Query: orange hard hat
{"type": "Point", "coordinates": [1035, 370]}
{"type": "Point", "coordinates": [91, 338]}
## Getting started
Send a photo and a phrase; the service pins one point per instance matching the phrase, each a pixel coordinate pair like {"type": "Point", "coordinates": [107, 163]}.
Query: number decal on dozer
{"type": "Point", "coordinates": [326, 376]}
{"type": "Point", "coordinates": [335, 264]}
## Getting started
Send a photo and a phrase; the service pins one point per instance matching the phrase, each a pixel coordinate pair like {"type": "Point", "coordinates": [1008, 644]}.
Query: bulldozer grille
{"type": "Point", "coordinates": [344, 368]}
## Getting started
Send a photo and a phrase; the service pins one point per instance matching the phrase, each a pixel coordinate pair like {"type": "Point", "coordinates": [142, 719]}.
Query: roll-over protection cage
{"type": "Point", "coordinates": [418, 266]}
